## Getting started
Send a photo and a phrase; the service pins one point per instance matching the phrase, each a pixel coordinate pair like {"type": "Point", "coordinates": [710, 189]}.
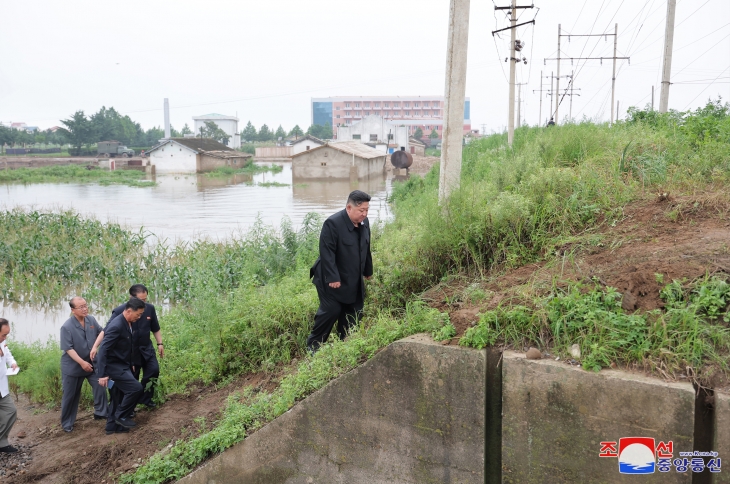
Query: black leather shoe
{"type": "Point", "coordinates": [125, 422]}
{"type": "Point", "coordinates": [8, 449]}
{"type": "Point", "coordinates": [99, 417]}
{"type": "Point", "coordinates": [68, 430]}
{"type": "Point", "coordinates": [150, 405]}
{"type": "Point", "coordinates": [122, 431]}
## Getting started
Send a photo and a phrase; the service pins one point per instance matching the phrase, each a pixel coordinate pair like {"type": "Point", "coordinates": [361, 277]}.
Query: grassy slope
{"type": "Point", "coordinates": [75, 174]}
{"type": "Point", "coordinates": [553, 185]}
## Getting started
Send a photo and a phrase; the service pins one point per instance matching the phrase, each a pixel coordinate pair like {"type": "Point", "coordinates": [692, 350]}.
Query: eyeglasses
{"type": "Point", "coordinates": [85, 306]}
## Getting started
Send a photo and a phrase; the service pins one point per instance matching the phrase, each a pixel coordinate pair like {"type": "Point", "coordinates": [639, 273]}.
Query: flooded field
{"type": "Point", "coordinates": [182, 207]}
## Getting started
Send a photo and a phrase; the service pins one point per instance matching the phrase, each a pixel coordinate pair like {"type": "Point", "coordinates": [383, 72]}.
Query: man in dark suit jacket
{"type": "Point", "coordinates": [143, 353]}
{"type": "Point", "coordinates": [114, 362]}
{"type": "Point", "coordinates": [344, 259]}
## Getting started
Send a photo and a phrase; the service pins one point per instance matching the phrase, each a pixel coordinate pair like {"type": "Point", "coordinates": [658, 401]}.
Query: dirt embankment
{"type": "Point", "coordinates": [656, 241]}
{"type": "Point", "coordinates": [87, 455]}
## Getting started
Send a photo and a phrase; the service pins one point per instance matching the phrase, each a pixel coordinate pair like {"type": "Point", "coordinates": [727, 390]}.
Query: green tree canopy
{"type": "Point", "coordinates": [296, 131]}
{"type": "Point", "coordinates": [79, 130]}
{"type": "Point", "coordinates": [433, 134]}
{"type": "Point", "coordinates": [211, 130]}
{"type": "Point", "coordinates": [186, 130]}
{"type": "Point", "coordinates": [108, 125]}
{"type": "Point", "coordinates": [321, 132]}
{"type": "Point", "coordinates": [249, 132]}
{"type": "Point", "coordinates": [418, 134]}
{"type": "Point", "coordinates": [265, 133]}
{"type": "Point", "coordinates": [280, 133]}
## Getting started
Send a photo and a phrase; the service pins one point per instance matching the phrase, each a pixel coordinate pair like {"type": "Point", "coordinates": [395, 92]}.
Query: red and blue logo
{"type": "Point", "coordinates": [636, 455]}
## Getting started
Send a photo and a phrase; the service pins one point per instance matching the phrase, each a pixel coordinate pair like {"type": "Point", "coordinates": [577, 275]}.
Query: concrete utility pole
{"type": "Point", "coordinates": [570, 116]}
{"type": "Point", "coordinates": [652, 98]}
{"type": "Point", "coordinates": [557, 83]}
{"type": "Point", "coordinates": [667, 70]}
{"type": "Point", "coordinates": [617, 111]}
{"type": "Point", "coordinates": [613, 78]}
{"type": "Point", "coordinates": [456, 50]}
{"type": "Point", "coordinates": [166, 107]}
{"type": "Point", "coordinates": [539, 123]}
{"type": "Point", "coordinates": [519, 104]}
{"type": "Point", "coordinates": [513, 38]}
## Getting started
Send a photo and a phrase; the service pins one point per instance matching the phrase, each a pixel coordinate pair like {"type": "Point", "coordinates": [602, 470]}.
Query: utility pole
{"type": "Point", "coordinates": [515, 46]}
{"type": "Point", "coordinates": [557, 82]}
{"type": "Point", "coordinates": [613, 78]}
{"type": "Point", "coordinates": [484, 129]}
{"type": "Point", "coordinates": [652, 98]}
{"type": "Point", "coordinates": [540, 117]}
{"type": "Point", "coordinates": [667, 70]}
{"type": "Point", "coordinates": [616, 111]}
{"type": "Point", "coordinates": [570, 116]}
{"type": "Point", "coordinates": [519, 103]}
{"type": "Point", "coordinates": [540, 121]}
{"type": "Point", "coordinates": [456, 50]}
{"type": "Point", "coordinates": [615, 58]}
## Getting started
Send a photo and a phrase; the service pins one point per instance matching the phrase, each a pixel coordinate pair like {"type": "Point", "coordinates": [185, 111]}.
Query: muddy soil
{"type": "Point", "coordinates": [87, 455]}
{"type": "Point", "coordinates": [656, 241]}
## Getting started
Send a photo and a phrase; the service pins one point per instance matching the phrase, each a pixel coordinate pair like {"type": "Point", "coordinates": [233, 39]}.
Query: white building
{"type": "Point", "coordinates": [194, 155]}
{"type": "Point", "coordinates": [375, 129]}
{"type": "Point", "coordinates": [229, 124]}
{"type": "Point", "coordinates": [305, 144]}
{"type": "Point", "coordinates": [343, 159]}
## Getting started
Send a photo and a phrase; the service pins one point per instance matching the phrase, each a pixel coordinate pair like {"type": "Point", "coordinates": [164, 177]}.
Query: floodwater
{"type": "Point", "coordinates": [183, 207]}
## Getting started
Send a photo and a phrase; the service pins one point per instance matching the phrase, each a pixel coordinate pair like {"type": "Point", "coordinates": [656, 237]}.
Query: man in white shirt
{"type": "Point", "coordinates": [8, 414]}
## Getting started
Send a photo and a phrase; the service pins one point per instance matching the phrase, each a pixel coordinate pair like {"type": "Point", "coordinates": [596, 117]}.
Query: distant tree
{"type": "Point", "coordinates": [249, 132]}
{"type": "Point", "coordinates": [418, 134]}
{"type": "Point", "coordinates": [79, 130]}
{"type": "Point", "coordinates": [40, 138]}
{"type": "Point", "coordinates": [174, 133]}
{"type": "Point", "coordinates": [110, 125]}
{"type": "Point", "coordinates": [7, 136]}
{"type": "Point", "coordinates": [280, 133]}
{"type": "Point", "coordinates": [321, 132]}
{"type": "Point", "coordinates": [296, 131]}
{"type": "Point", "coordinates": [265, 134]}
{"type": "Point", "coordinates": [186, 130]}
{"type": "Point", "coordinates": [211, 130]}
{"type": "Point", "coordinates": [433, 134]}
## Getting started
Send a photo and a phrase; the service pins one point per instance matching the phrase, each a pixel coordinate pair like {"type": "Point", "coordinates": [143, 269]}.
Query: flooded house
{"type": "Point", "coordinates": [194, 155]}
{"type": "Point", "coordinates": [376, 129]}
{"type": "Point", "coordinates": [305, 143]}
{"type": "Point", "coordinates": [342, 159]}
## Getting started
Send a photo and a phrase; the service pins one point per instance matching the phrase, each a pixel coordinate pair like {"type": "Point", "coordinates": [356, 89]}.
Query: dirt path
{"type": "Point", "coordinates": [87, 455]}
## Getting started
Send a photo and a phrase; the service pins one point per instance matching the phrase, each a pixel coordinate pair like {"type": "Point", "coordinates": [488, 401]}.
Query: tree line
{"type": "Point", "coordinates": [251, 134]}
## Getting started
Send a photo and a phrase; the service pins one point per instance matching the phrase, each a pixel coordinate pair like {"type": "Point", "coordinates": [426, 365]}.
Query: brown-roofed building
{"type": "Point", "coordinates": [344, 159]}
{"type": "Point", "coordinates": [194, 155]}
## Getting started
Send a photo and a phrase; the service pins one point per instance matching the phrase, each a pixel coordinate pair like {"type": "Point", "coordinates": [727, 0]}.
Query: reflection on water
{"type": "Point", "coordinates": [184, 207]}
{"type": "Point", "coordinates": [190, 206]}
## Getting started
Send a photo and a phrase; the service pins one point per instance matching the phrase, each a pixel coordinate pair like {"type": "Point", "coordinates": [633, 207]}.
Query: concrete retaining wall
{"type": "Point", "coordinates": [420, 412]}
{"type": "Point", "coordinates": [413, 414]}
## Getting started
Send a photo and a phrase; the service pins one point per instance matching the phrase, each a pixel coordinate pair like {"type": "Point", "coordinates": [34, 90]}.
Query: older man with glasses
{"type": "Point", "coordinates": [81, 335]}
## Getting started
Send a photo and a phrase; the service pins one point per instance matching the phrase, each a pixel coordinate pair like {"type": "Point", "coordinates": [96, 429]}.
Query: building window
{"type": "Point", "coordinates": [357, 113]}
{"type": "Point", "coordinates": [355, 136]}
{"type": "Point", "coordinates": [395, 105]}
{"type": "Point", "coordinates": [425, 104]}
{"type": "Point", "coordinates": [338, 116]}
{"type": "Point", "coordinates": [408, 113]}
{"type": "Point", "coordinates": [387, 105]}
{"type": "Point", "coordinates": [366, 105]}
{"type": "Point", "coordinates": [367, 113]}
{"type": "Point", "coordinates": [357, 105]}
{"type": "Point", "coordinates": [347, 105]}
{"type": "Point", "coordinates": [337, 108]}
{"type": "Point", "coordinates": [415, 105]}
{"type": "Point", "coordinates": [377, 105]}
{"type": "Point", "coordinates": [406, 105]}
{"type": "Point", "coordinates": [307, 148]}
{"type": "Point", "coordinates": [373, 137]}
{"type": "Point", "coordinates": [347, 113]}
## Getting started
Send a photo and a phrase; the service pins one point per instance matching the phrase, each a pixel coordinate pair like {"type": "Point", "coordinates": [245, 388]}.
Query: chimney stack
{"type": "Point", "coordinates": [167, 119]}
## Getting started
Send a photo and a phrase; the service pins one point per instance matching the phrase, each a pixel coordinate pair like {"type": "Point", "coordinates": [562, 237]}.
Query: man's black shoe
{"type": "Point", "coordinates": [150, 405]}
{"type": "Point", "coordinates": [99, 417]}
{"type": "Point", "coordinates": [68, 430]}
{"type": "Point", "coordinates": [122, 431]}
{"type": "Point", "coordinates": [125, 422]}
{"type": "Point", "coordinates": [132, 415]}
{"type": "Point", "coordinates": [8, 449]}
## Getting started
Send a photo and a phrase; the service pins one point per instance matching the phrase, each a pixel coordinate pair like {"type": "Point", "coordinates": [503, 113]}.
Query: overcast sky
{"type": "Point", "coordinates": [264, 60]}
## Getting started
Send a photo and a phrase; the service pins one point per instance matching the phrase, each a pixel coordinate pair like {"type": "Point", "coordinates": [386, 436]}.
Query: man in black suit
{"type": "Point", "coordinates": [114, 362]}
{"type": "Point", "coordinates": [143, 353]}
{"type": "Point", "coordinates": [344, 259]}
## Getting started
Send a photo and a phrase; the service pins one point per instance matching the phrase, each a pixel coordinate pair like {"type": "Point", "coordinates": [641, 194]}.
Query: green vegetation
{"type": "Point", "coordinates": [75, 174]}
{"type": "Point", "coordinates": [687, 333]}
{"type": "Point", "coordinates": [247, 305]}
{"type": "Point", "coordinates": [250, 168]}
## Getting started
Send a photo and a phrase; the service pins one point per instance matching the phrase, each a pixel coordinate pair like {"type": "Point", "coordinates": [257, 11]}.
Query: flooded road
{"type": "Point", "coordinates": [182, 207]}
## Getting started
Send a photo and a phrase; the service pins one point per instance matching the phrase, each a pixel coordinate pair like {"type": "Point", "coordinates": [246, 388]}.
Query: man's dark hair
{"type": "Point", "coordinates": [71, 301]}
{"type": "Point", "coordinates": [4, 322]}
{"type": "Point", "coordinates": [357, 197]}
{"type": "Point", "coordinates": [134, 304]}
{"type": "Point", "coordinates": [136, 289]}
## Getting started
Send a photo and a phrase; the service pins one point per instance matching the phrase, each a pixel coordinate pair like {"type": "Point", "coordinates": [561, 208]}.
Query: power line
{"type": "Point", "coordinates": [702, 91]}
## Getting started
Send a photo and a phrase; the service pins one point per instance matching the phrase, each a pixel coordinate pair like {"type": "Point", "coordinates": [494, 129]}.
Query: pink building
{"type": "Point", "coordinates": [425, 112]}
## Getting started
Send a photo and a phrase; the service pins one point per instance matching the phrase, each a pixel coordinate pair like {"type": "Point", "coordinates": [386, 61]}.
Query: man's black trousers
{"type": "Point", "coordinates": [150, 368]}
{"type": "Point", "coordinates": [123, 397]}
{"type": "Point", "coordinates": [331, 311]}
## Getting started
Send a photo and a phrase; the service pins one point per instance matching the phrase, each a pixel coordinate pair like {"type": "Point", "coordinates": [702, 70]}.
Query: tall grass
{"type": "Point", "coordinates": [75, 174]}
